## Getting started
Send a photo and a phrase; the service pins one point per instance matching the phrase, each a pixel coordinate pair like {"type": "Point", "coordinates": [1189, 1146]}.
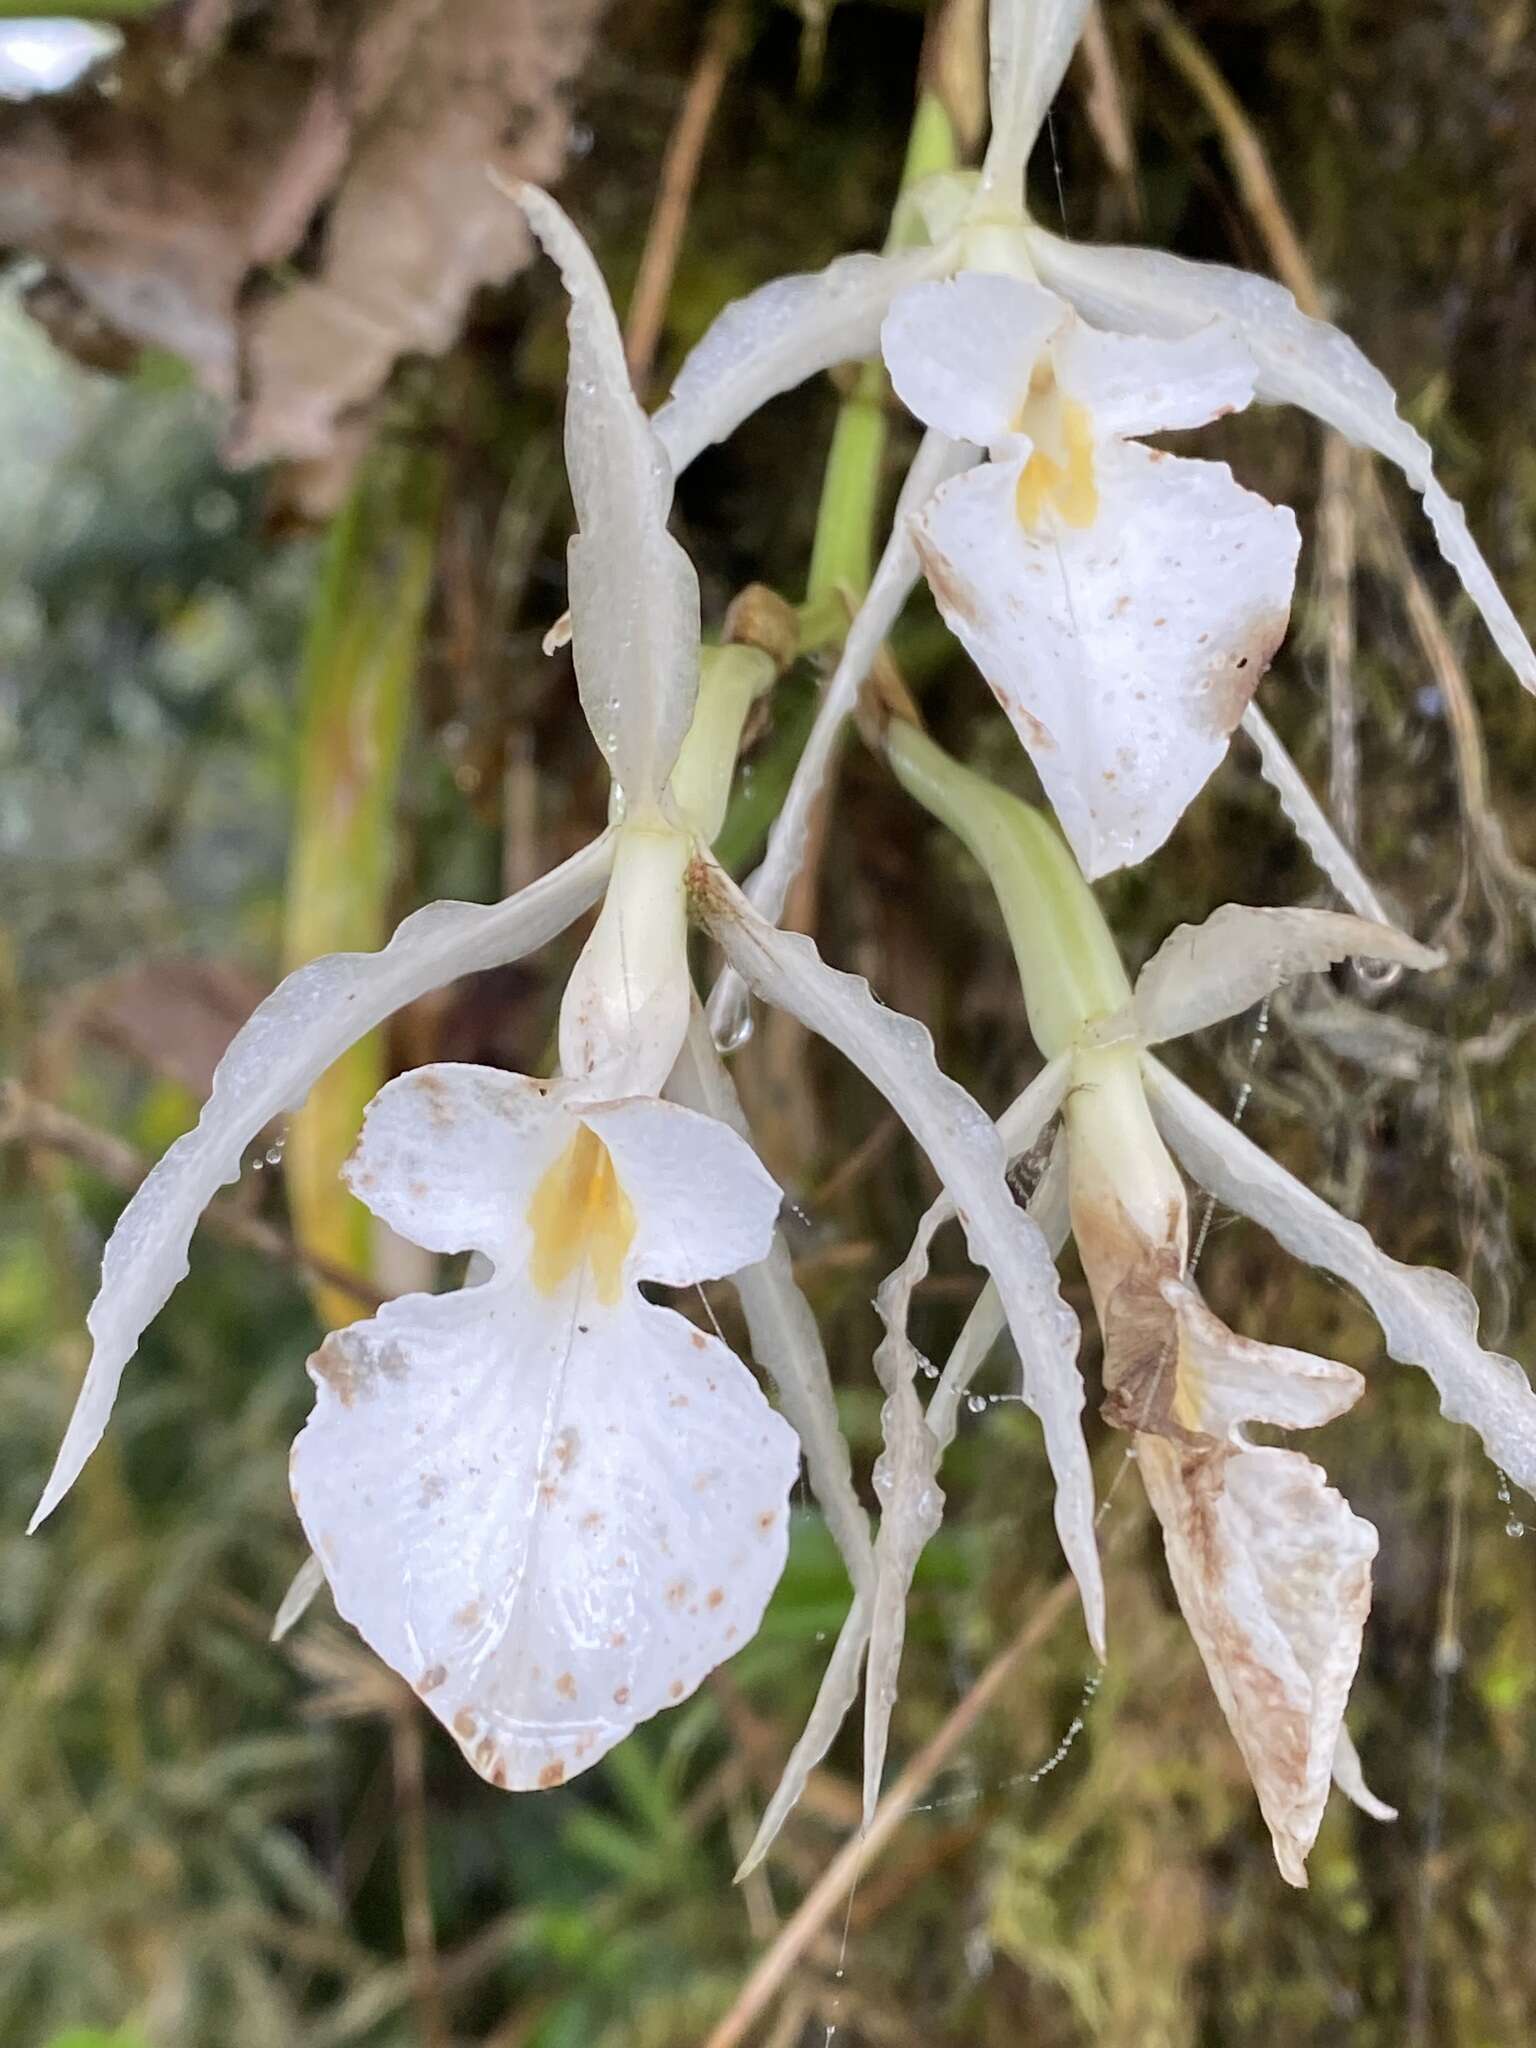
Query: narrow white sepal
{"type": "Point", "coordinates": [1301, 361]}
{"type": "Point", "coordinates": [273, 1061]}
{"type": "Point", "coordinates": [895, 1054]}
{"type": "Point", "coordinates": [1427, 1317]}
{"type": "Point", "coordinates": [1203, 973]}
{"type": "Point", "coordinates": [769, 886]}
{"type": "Point", "coordinates": [776, 337]}
{"type": "Point", "coordinates": [633, 593]}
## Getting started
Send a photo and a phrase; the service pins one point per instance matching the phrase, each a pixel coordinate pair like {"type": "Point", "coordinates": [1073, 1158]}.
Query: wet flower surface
{"type": "Point", "coordinates": [549, 1503]}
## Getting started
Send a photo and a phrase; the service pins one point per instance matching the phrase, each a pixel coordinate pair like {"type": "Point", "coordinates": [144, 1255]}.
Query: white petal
{"type": "Point", "coordinates": [895, 1054]}
{"type": "Point", "coordinates": [634, 596]}
{"type": "Point", "coordinates": [906, 1483]}
{"type": "Point", "coordinates": [1203, 973]}
{"type": "Point", "coordinates": [1301, 361]}
{"type": "Point", "coordinates": [961, 351]}
{"type": "Point", "coordinates": [835, 1695]}
{"type": "Point", "coordinates": [779, 335]}
{"type": "Point", "coordinates": [272, 1062]}
{"type": "Point", "coordinates": [625, 1008]}
{"type": "Point", "coordinates": [1225, 1380]}
{"type": "Point", "coordinates": [451, 1154]}
{"type": "Point", "coordinates": [1309, 821]}
{"type": "Point", "coordinates": [1136, 384]}
{"type": "Point", "coordinates": [1031, 44]}
{"type": "Point", "coordinates": [1427, 1318]}
{"type": "Point", "coordinates": [1273, 1572]}
{"type": "Point", "coordinates": [295, 1603]}
{"type": "Point", "coordinates": [768, 888]}
{"type": "Point", "coordinates": [551, 1527]}
{"type": "Point", "coordinates": [912, 1442]}
{"type": "Point", "coordinates": [986, 1321]}
{"type": "Point", "coordinates": [1350, 1779]}
{"type": "Point", "coordinates": [705, 1205]}
{"type": "Point", "coordinates": [1124, 652]}
{"type": "Point", "coordinates": [786, 1344]}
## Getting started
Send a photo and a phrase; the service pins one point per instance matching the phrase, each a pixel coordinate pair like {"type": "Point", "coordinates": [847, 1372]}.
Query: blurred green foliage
{"type": "Point", "coordinates": [204, 1838]}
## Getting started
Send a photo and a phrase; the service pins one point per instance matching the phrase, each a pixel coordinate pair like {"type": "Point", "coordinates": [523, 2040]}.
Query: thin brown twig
{"type": "Point", "coordinates": [1245, 154]}
{"type": "Point", "coordinates": [1495, 864]}
{"type": "Point", "coordinates": [674, 194]}
{"type": "Point", "coordinates": [1104, 104]}
{"type": "Point", "coordinates": [25, 1119]}
{"type": "Point", "coordinates": [841, 1874]}
{"type": "Point", "coordinates": [414, 1873]}
{"type": "Point", "coordinates": [1256, 185]}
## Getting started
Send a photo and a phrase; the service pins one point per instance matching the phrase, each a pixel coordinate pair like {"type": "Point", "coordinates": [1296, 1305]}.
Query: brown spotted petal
{"type": "Point", "coordinates": [1273, 1573]}
{"type": "Point", "coordinates": [1124, 647]}
{"type": "Point", "coordinates": [551, 1505]}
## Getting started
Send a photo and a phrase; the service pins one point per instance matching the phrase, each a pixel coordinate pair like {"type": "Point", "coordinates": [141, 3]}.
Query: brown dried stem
{"type": "Point", "coordinates": [414, 1874]}
{"type": "Point", "coordinates": [674, 195]}
{"type": "Point", "coordinates": [856, 1854]}
{"type": "Point", "coordinates": [1497, 868]}
{"type": "Point", "coordinates": [25, 1119]}
{"type": "Point", "coordinates": [1104, 105]}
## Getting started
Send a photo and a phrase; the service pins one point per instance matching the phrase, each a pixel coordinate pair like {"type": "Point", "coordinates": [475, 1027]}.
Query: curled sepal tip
{"type": "Point", "coordinates": [273, 1060]}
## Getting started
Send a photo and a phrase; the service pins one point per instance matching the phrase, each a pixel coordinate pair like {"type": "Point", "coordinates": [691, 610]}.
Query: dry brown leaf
{"type": "Point", "coordinates": [351, 144]}
{"type": "Point", "coordinates": [153, 205]}
{"type": "Point", "coordinates": [417, 224]}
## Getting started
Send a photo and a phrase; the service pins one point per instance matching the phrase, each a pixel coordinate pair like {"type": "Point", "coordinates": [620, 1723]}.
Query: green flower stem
{"type": "Point", "coordinates": [731, 679]}
{"type": "Point", "coordinates": [842, 553]}
{"type": "Point", "coordinates": [1067, 958]}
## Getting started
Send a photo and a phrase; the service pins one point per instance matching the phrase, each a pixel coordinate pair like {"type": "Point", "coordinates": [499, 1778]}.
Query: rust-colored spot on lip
{"type": "Point", "coordinates": [716, 1596]}
{"type": "Point", "coordinates": [1234, 676]}
{"type": "Point", "coordinates": [431, 1679]}
{"type": "Point", "coordinates": [551, 1775]}
{"type": "Point", "coordinates": [348, 1364]}
{"type": "Point", "coordinates": [464, 1723]}
{"type": "Point", "coordinates": [954, 598]}
{"type": "Point", "coordinates": [565, 1685]}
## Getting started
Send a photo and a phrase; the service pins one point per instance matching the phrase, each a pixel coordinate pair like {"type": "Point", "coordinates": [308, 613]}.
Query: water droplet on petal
{"type": "Point", "coordinates": [735, 1030]}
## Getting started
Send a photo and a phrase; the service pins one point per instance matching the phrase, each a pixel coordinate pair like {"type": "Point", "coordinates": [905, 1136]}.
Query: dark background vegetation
{"type": "Point", "coordinates": [205, 1840]}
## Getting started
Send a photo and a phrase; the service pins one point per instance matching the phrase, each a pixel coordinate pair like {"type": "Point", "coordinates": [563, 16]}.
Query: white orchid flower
{"type": "Point", "coordinates": [1122, 602]}
{"type": "Point", "coordinates": [551, 1505]}
{"type": "Point", "coordinates": [547, 1503]}
{"type": "Point", "coordinates": [1271, 1568]}
{"type": "Point", "coordinates": [461, 1448]}
{"type": "Point", "coordinates": [1233, 336]}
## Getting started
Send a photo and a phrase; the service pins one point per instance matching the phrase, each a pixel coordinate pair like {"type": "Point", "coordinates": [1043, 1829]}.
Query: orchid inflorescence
{"type": "Point", "coordinates": [553, 1505]}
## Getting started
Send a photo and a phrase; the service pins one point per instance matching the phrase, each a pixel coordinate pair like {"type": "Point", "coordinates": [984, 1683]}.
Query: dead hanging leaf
{"type": "Point", "coordinates": [152, 206]}
{"type": "Point", "coordinates": [416, 226]}
{"type": "Point", "coordinates": [350, 144]}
